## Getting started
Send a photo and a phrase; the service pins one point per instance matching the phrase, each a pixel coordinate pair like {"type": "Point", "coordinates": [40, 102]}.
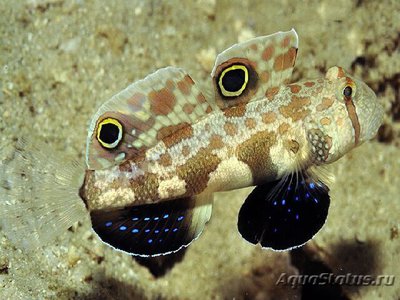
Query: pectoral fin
{"type": "Point", "coordinates": [286, 213]}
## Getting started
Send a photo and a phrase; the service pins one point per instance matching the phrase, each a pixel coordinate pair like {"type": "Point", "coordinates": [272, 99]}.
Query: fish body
{"type": "Point", "coordinates": [298, 124]}
{"type": "Point", "coordinates": [158, 150]}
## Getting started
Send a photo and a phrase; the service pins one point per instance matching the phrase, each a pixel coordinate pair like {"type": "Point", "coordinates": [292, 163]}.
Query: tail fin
{"type": "Point", "coordinates": [38, 194]}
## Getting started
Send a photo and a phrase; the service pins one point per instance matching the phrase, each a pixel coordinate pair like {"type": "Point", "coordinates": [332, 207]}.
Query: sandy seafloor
{"type": "Point", "coordinates": [59, 60]}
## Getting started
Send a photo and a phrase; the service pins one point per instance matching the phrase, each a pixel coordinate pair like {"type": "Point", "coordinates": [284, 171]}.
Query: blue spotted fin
{"type": "Point", "coordinates": [153, 229]}
{"type": "Point", "coordinates": [141, 115]}
{"type": "Point", "coordinates": [39, 194]}
{"type": "Point", "coordinates": [254, 69]}
{"type": "Point", "coordinates": [285, 213]}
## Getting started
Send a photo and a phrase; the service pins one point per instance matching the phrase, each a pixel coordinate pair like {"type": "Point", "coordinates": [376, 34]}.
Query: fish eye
{"type": "Point", "coordinates": [347, 91]}
{"type": "Point", "coordinates": [233, 80]}
{"type": "Point", "coordinates": [109, 133]}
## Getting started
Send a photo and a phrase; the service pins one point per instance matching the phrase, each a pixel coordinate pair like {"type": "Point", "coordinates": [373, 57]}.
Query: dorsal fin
{"type": "Point", "coordinates": [245, 71]}
{"type": "Point", "coordinates": [141, 115]}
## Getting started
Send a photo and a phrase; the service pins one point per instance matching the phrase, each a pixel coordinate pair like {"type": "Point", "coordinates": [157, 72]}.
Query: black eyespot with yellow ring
{"type": "Point", "coordinates": [233, 80]}
{"type": "Point", "coordinates": [109, 133]}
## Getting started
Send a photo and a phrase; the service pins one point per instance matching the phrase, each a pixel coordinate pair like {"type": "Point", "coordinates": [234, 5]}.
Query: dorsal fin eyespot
{"type": "Point", "coordinates": [109, 133]}
{"type": "Point", "coordinates": [137, 116]}
{"type": "Point", "coordinates": [268, 60]}
{"type": "Point", "coordinates": [235, 79]}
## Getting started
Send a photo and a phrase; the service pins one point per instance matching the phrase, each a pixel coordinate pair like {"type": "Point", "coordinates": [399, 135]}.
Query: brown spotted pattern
{"type": "Point", "coordinates": [268, 53]}
{"type": "Point", "coordinates": [230, 128]}
{"type": "Point", "coordinates": [285, 60]}
{"type": "Point", "coordinates": [271, 93]}
{"type": "Point", "coordinates": [325, 103]}
{"type": "Point", "coordinates": [216, 142]}
{"type": "Point", "coordinates": [296, 109]}
{"type": "Point", "coordinates": [325, 121]}
{"type": "Point", "coordinates": [250, 123]}
{"type": "Point", "coordinates": [185, 150]}
{"type": "Point", "coordinates": [185, 85]}
{"type": "Point", "coordinates": [196, 171]}
{"type": "Point", "coordinates": [165, 159]}
{"type": "Point", "coordinates": [294, 88]}
{"type": "Point", "coordinates": [235, 111]}
{"type": "Point", "coordinates": [178, 136]}
{"type": "Point", "coordinates": [269, 117]}
{"type": "Point", "coordinates": [309, 83]}
{"type": "Point", "coordinates": [283, 128]}
{"type": "Point", "coordinates": [162, 102]}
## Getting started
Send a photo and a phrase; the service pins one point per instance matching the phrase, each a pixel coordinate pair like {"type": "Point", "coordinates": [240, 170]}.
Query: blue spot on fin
{"type": "Point", "coordinates": [173, 224]}
{"type": "Point", "coordinates": [265, 218]}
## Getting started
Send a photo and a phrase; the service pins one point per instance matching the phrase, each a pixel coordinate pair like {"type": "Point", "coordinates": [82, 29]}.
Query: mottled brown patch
{"type": "Point", "coordinates": [170, 84]}
{"type": "Point", "coordinates": [137, 100]}
{"type": "Point", "coordinates": [208, 109]}
{"type": "Point", "coordinates": [269, 117]}
{"type": "Point", "coordinates": [125, 166]}
{"type": "Point", "coordinates": [145, 188]}
{"type": "Point", "coordinates": [255, 152]}
{"type": "Point", "coordinates": [292, 146]}
{"type": "Point", "coordinates": [230, 128]}
{"type": "Point", "coordinates": [295, 88]}
{"type": "Point", "coordinates": [168, 130]}
{"type": "Point", "coordinates": [250, 123]}
{"type": "Point", "coordinates": [268, 53]}
{"type": "Point", "coordinates": [188, 108]}
{"type": "Point", "coordinates": [200, 98]}
{"type": "Point", "coordinates": [285, 60]}
{"type": "Point", "coordinates": [325, 104]}
{"type": "Point", "coordinates": [264, 76]}
{"type": "Point", "coordinates": [271, 93]}
{"type": "Point", "coordinates": [285, 42]}
{"type": "Point", "coordinates": [183, 132]}
{"type": "Point", "coordinates": [165, 160]}
{"type": "Point", "coordinates": [162, 102]}
{"type": "Point", "coordinates": [216, 142]}
{"type": "Point", "coordinates": [138, 124]}
{"type": "Point", "coordinates": [283, 128]}
{"type": "Point", "coordinates": [254, 47]}
{"type": "Point", "coordinates": [185, 85]}
{"type": "Point", "coordinates": [196, 171]}
{"type": "Point", "coordinates": [296, 109]}
{"type": "Point", "coordinates": [325, 121]}
{"type": "Point", "coordinates": [185, 150]}
{"type": "Point", "coordinates": [340, 73]}
{"type": "Point", "coordinates": [309, 83]}
{"type": "Point", "coordinates": [235, 111]}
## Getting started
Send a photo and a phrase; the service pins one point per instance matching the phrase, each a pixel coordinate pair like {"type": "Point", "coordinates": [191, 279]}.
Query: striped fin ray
{"type": "Point", "coordinates": [39, 194]}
